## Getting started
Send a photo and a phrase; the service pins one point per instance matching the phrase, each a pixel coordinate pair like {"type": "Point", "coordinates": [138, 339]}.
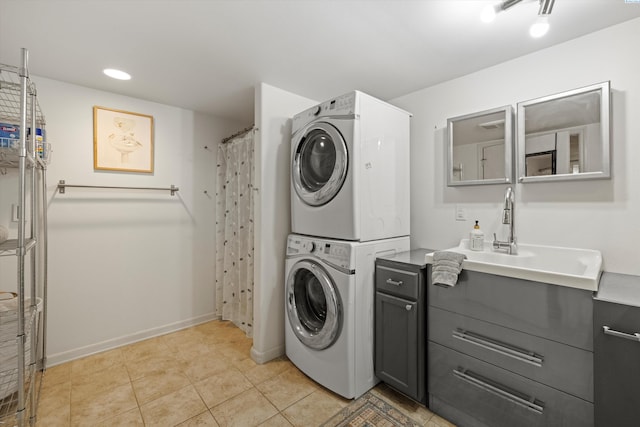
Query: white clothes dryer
{"type": "Point", "coordinates": [350, 169]}
{"type": "Point", "coordinates": [329, 304]}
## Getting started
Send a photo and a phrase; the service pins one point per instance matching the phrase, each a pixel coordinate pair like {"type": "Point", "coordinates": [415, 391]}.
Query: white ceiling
{"type": "Point", "coordinates": [207, 55]}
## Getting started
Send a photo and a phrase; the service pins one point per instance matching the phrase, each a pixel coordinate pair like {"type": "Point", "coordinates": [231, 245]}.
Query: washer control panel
{"type": "Point", "coordinates": [338, 253]}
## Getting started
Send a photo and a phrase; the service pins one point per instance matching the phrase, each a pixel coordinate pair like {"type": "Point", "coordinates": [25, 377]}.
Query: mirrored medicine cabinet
{"type": "Point", "coordinates": [565, 136]}
{"type": "Point", "coordinates": [480, 148]}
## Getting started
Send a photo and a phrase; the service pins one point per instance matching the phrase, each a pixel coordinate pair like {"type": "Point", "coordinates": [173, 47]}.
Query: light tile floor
{"type": "Point", "coordinates": [200, 376]}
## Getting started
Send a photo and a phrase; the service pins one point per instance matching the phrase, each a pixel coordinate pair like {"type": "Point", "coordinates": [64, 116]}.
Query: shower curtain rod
{"type": "Point", "coordinates": [242, 132]}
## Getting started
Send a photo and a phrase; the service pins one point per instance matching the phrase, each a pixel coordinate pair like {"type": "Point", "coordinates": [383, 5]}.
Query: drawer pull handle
{"type": "Point", "coordinates": [633, 337]}
{"type": "Point", "coordinates": [498, 347]}
{"type": "Point", "coordinates": [394, 283]}
{"type": "Point", "coordinates": [527, 402]}
{"type": "Point", "coordinates": [408, 307]}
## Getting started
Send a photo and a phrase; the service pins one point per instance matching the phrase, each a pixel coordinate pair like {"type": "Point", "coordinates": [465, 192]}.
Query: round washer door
{"type": "Point", "coordinates": [313, 305]}
{"type": "Point", "coordinates": [319, 164]}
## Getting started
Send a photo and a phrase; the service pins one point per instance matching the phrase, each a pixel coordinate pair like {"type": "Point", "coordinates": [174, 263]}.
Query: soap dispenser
{"type": "Point", "coordinates": [476, 238]}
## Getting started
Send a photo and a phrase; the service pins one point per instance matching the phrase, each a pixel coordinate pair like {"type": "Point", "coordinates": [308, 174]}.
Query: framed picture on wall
{"type": "Point", "coordinates": [122, 141]}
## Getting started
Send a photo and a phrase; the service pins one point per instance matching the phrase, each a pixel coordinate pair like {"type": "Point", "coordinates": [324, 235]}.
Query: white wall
{"type": "Point", "coordinates": [273, 112]}
{"type": "Point", "coordinates": [603, 214]}
{"type": "Point", "coordinates": [125, 265]}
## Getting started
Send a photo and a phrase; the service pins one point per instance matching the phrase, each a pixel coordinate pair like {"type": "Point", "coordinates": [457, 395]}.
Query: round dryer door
{"type": "Point", "coordinates": [313, 304]}
{"type": "Point", "coordinates": [319, 164]}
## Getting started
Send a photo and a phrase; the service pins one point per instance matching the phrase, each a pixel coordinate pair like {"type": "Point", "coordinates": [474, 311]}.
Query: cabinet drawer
{"type": "Point", "coordinates": [558, 313]}
{"type": "Point", "coordinates": [560, 366]}
{"type": "Point", "coordinates": [496, 397]}
{"type": "Point", "coordinates": [617, 364]}
{"type": "Point", "coordinates": [402, 283]}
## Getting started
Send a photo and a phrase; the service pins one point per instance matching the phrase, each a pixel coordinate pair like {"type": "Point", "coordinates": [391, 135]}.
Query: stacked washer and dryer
{"type": "Point", "coordinates": [349, 205]}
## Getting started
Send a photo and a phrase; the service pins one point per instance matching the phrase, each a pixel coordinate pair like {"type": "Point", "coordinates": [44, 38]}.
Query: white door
{"type": "Point", "coordinates": [493, 161]}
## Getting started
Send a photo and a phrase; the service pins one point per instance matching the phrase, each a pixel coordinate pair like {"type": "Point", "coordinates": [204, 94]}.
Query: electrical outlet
{"type": "Point", "coordinates": [15, 213]}
{"type": "Point", "coordinates": [461, 213]}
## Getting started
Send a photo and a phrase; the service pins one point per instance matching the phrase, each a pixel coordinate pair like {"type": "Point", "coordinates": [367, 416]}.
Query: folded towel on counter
{"type": "Point", "coordinates": [446, 268]}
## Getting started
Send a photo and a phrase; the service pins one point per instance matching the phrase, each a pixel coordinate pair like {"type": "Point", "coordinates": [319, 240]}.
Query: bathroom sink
{"type": "Point", "coordinates": [576, 268]}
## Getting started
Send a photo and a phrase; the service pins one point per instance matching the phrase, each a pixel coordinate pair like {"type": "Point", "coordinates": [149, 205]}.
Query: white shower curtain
{"type": "Point", "coordinates": [234, 232]}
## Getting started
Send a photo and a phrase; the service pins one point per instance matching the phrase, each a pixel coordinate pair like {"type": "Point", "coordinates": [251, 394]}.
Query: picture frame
{"type": "Point", "coordinates": [122, 141]}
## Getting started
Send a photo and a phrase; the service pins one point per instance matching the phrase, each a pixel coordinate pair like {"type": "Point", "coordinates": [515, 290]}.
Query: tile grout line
{"type": "Point", "coordinates": [231, 352]}
{"type": "Point", "coordinates": [134, 390]}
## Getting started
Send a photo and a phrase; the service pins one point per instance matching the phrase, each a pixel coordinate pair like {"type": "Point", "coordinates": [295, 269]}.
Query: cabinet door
{"type": "Point", "coordinates": [616, 365]}
{"type": "Point", "coordinates": [396, 361]}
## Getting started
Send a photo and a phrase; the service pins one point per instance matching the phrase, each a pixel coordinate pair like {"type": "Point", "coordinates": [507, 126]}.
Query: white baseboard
{"type": "Point", "coordinates": [261, 357]}
{"type": "Point", "coordinates": [67, 356]}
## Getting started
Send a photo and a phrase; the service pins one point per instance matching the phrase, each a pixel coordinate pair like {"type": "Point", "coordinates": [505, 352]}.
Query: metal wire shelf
{"type": "Point", "coordinates": [10, 97]}
{"type": "Point", "coordinates": [23, 329]}
{"type": "Point", "coordinates": [10, 119]}
{"type": "Point", "coordinates": [8, 368]}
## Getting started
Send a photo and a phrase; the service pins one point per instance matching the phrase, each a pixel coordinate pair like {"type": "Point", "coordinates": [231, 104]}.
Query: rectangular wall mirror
{"type": "Point", "coordinates": [480, 148]}
{"type": "Point", "coordinates": [565, 136]}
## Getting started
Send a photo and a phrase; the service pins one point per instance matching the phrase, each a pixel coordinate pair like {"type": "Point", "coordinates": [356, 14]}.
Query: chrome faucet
{"type": "Point", "coordinates": [508, 217]}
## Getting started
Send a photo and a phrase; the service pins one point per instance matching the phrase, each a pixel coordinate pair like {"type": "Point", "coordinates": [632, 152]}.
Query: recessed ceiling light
{"type": "Point", "coordinates": [116, 74]}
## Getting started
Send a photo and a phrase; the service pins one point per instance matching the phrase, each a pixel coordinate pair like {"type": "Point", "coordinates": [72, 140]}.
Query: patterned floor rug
{"type": "Point", "coordinates": [370, 411]}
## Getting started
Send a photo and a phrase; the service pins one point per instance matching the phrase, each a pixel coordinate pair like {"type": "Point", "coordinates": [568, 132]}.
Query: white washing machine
{"type": "Point", "coordinates": [350, 169]}
{"type": "Point", "coordinates": [329, 304]}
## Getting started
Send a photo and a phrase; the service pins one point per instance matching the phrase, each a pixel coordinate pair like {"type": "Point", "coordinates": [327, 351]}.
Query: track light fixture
{"type": "Point", "coordinates": [491, 10]}
{"type": "Point", "coordinates": [545, 7]}
{"type": "Point", "coordinates": [541, 26]}
{"type": "Point", "coordinates": [538, 29]}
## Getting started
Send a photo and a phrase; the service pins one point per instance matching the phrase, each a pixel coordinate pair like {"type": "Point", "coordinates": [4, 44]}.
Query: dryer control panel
{"type": "Point", "coordinates": [344, 105]}
{"type": "Point", "coordinates": [335, 252]}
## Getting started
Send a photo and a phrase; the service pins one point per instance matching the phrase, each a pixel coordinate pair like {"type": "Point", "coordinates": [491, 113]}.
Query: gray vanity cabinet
{"type": "Point", "coordinates": [510, 352]}
{"type": "Point", "coordinates": [396, 358]}
{"type": "Point", "coordinates": [617, 351]}
{"type": "Point", "coordinates": [400, 334]}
